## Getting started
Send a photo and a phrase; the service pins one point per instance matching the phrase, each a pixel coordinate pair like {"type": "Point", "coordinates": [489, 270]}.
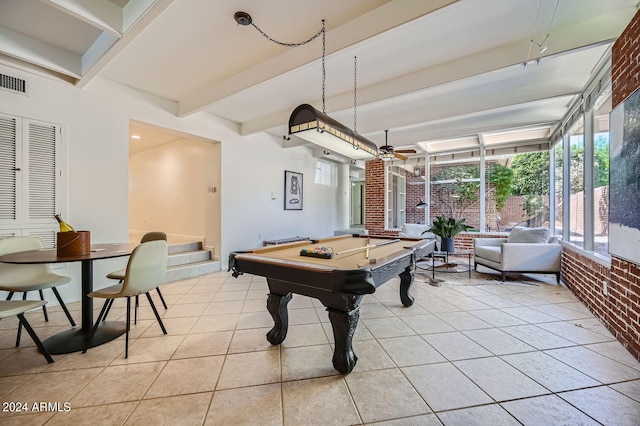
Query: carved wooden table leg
{"type": "Point", "coordinates": [344, 325]}
{"type": "Point", "coordinates": [406, 280]}
{"type": "Point", "coordinates": [277, 307]}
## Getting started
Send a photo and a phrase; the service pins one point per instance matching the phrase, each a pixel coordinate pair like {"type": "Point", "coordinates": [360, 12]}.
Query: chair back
{"type": "Point", "coordinates": [15, 273]}
{"type": "Point", "coordinates": [153, 236]}
{"type": "Point", "coordinates": [146, 269]}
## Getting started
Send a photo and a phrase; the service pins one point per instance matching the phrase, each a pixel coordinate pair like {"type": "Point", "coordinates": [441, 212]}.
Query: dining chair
{"type": "Point", "coordinates": [119, 275]}
{"type": "Point", "coordinates": [9, 308]}
{"type": "Point", "coordinates": [146, 269]}
{"type": "Point", "coordinates": [24, 278]}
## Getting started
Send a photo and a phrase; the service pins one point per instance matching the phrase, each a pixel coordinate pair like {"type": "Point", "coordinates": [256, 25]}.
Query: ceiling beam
{"type": "Point", "coordinates": [103, 15]}
{"type": "Point", "coordinates": [133, 10]}
{"type": "Point", "coordinates": [384, 18]}
{"type": "Point", "coordinates": [100, 46]}
{"type": "Point", "coordinates": [147, 16]}
{"type": "Point", "coordinates": [421, 81]}
{"type": "Point", "coordinates": [563, 41]}
{"type": "Point", "coordinates": [39, 53]}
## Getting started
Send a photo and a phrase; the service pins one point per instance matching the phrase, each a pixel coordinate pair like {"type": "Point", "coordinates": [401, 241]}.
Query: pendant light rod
{"type": "Point", "coordinates": [355, 94]}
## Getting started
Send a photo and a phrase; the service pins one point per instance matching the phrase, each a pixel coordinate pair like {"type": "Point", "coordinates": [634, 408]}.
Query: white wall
{"type": "Point", "coordinates": [96, 123]}
{"type": "Point", "coordinates": [253, 169]}
{"type": "Point", "coordinates": [170, 190]}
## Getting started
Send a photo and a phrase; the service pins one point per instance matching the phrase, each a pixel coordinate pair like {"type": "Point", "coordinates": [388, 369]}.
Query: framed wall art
{"type": "Point", "coordinates": [292, 190]}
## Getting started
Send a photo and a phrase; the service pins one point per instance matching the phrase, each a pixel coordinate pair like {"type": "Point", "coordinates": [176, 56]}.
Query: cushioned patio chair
{"type": "Point", "coordinates": [524, 250]}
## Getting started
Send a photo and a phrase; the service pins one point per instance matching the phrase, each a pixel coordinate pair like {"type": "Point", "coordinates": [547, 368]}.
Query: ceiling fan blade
{"type": "Point", "coordinates": [406, 151]}
{"type": "Point", "coordinates": [400, 156]}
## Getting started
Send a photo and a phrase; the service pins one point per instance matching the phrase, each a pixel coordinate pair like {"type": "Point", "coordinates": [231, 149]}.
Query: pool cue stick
{"type": "Point", "coordinates": [369, 246]}
{"type": "Point", "coordinates": [366, 256]}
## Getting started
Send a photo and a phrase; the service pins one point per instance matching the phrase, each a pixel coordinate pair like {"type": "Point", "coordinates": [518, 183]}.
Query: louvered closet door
{"type": "Point", "coordinates": [39, 179]}
{"type": "Point", "coordinates": [41, 170]}
{"type": "Point", "coordinates": [29, 176]}
{"type": "Point", "coordinates": [8, 164]}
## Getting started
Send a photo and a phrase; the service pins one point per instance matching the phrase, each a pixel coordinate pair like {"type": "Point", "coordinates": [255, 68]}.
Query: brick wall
{"type": "Point", "coordinates": [625, 70]}
{"type": "Point", "coordinates": [585, 277]}
{"type": "Point", "coordinates": [513, 213]}
{"type": "Point", "coordinates": [601, 219]}
{"type": "Point", "coordinates": [415, 194]}
{"type": "Point", "coordinates": [619, 307]}
{"type": "Point", "coordinates": [622, 307]}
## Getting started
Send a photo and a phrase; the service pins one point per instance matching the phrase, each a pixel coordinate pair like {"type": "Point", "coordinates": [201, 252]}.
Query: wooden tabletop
{"type": "Point", "coordinates": [98, 251]}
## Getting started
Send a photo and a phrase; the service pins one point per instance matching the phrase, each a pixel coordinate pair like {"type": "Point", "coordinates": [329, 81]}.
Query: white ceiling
{"type": "Point", "coordinates": [434, 72]}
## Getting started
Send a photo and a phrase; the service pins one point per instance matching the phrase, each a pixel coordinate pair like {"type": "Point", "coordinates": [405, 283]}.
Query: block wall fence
{"type": "Point", "coordinates": [617, 307]}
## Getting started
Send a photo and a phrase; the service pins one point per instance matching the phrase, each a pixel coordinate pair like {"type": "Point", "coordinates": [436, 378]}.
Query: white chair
{"type": "Point", "coordinates": [525, 250]}
{"type": "Point", "coordinates": [24, 278]}
{"type": "Point", "coordinates": [146, 269]}
{"type": "Point", "coordinates": [119, 275]}
{"type": "Point", "coordinates": [9, 308]}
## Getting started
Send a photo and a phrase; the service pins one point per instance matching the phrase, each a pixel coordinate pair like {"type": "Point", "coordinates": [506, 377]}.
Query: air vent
{"type": "Point", "coordinates": [13, 84]}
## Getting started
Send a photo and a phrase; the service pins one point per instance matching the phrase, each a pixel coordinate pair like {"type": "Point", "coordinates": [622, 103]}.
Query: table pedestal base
{"type": "Point", "coordinates": [74, 340]}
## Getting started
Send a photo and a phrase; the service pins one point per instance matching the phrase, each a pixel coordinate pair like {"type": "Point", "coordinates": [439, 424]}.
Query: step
{"type": "Point", "coordinates": [190, 270]}
{"type": "Point", "coordinates": [182, 258]}
{"type": "Point", "coordinates": [188, 260]}
{"type": "Point", "coordinates": [183, 247]}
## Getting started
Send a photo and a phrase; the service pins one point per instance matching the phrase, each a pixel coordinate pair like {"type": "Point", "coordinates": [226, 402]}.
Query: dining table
{"type": "Point", "coordinates": [75, 339]}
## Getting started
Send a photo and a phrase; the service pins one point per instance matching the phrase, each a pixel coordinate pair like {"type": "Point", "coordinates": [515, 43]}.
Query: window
{"type": "Point", "coordinates": [576, 184]}
{"type": "Point", "coordinates": [326, 174]}
{"type": "Point", "coordinates": [558, 198]}
{"type": "Point", "coordinates": [601, 175]}
{"type": "Point", "coordinates": [29, 177]}
{"type": "Point", "coordinates": [396, 197]}
{"type": "Point", "coordinates": [455, 192]}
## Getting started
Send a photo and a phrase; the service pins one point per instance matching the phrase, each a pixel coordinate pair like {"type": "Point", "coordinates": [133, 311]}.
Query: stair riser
{"type": "Point", "coordinates": [188, 260]}
{"type": "Point", "coordinates": [188, 257]}
{"type": "Point", "coordinates": [181, 248]}
{"type": "Point", "coordinates": [194, 270]}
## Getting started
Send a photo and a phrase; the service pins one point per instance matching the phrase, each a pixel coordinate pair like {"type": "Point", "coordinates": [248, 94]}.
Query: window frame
{"type": "Point", "coordinates": [395, 211]}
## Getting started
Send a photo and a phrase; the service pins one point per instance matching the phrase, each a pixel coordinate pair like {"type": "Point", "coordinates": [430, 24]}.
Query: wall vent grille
{"type": "Point", "coordinates": [13, 84]}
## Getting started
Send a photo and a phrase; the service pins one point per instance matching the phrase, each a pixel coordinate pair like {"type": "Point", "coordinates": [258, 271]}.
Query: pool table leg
{"type": "Point", "coordinates": [406, 280]}
{"type": "Point", "coordinates": [344, 325]}
{"type": "Point", "coordinates": [277, 307]}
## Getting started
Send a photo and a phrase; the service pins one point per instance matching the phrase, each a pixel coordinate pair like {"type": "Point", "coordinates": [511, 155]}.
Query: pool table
{"type": "Point", "coordinates": [339, 282]}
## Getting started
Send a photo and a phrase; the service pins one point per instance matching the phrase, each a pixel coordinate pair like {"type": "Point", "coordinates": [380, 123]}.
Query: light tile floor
{"type": "Point", "coordinates": [471, 351]}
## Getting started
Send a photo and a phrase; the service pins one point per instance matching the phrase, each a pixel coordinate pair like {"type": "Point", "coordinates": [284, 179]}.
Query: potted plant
{"type": "Point", "coordinates": [447, 228]}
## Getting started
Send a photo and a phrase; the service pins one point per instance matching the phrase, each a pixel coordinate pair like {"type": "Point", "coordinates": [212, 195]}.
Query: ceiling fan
{"type": "Point", "coordinates": [388, 152]}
